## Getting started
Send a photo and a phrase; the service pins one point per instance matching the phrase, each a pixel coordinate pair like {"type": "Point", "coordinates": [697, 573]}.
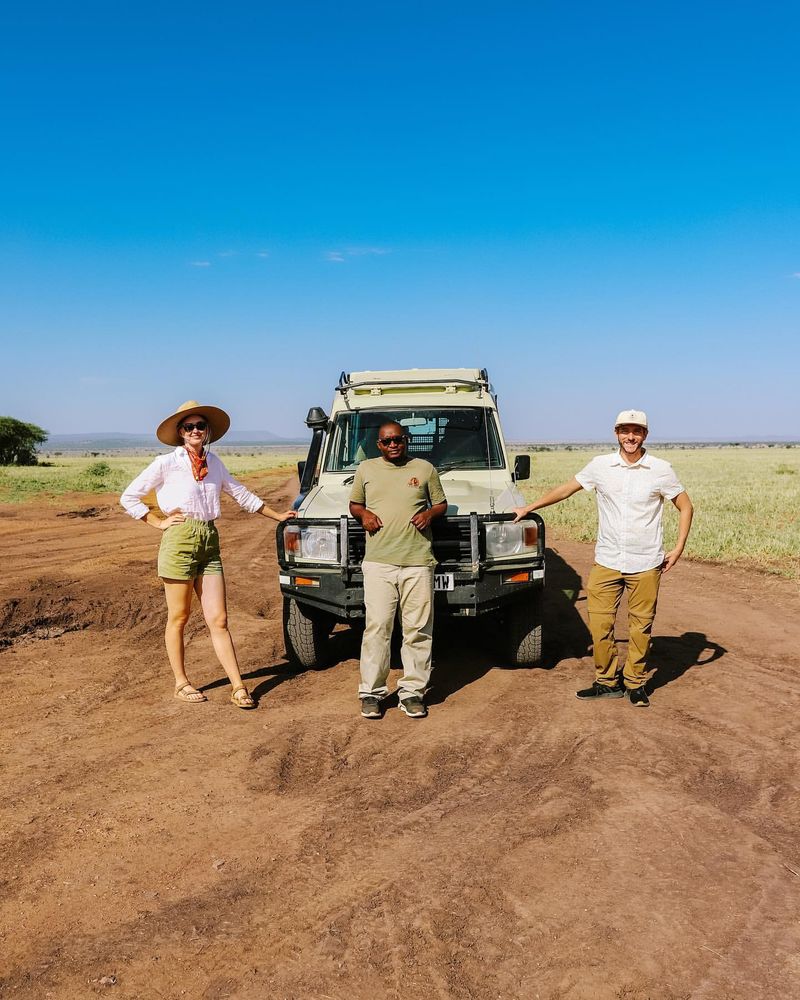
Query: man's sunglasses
{"type": "Point", "coordinates": [393, 439]}
{"type": "Point", "coordinates": [199, 426]}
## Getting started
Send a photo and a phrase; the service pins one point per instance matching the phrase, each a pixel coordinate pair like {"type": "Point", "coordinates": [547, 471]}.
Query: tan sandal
{"type": "Point", "coordinates": [243, 701]}
{"type": "Point", "coordinates": [183, 695]}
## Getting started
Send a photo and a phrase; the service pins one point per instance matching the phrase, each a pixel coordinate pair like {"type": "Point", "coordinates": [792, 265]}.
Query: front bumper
{"type": "Point", "coordinates": [480, 583]}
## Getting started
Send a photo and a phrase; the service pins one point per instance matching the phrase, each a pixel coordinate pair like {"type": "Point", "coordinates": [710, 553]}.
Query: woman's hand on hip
{"type": "Point", "coordinates": [176, 517]}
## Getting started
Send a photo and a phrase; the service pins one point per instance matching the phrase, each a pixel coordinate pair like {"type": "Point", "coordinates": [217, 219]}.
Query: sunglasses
{"type": "Point", "coordinates": [199, 426]}
{"type": "Point", "coordinates": [393, 439]}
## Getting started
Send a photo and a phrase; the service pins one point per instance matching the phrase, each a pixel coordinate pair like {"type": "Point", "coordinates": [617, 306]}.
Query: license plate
{"type": "Point", "coordinates": [443, 581]}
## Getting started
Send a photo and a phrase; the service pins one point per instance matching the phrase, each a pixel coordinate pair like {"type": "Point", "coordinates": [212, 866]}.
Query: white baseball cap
{"type": "Point", "coordinates": [632, 417]}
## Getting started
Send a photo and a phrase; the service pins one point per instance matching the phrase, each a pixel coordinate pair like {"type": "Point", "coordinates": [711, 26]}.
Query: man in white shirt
{"type": "Point", "coordinates": [631, 486]}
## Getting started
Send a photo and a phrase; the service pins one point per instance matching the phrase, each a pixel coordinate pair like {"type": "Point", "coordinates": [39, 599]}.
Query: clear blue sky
{"type": "Point", "coordinates": [598, 202]}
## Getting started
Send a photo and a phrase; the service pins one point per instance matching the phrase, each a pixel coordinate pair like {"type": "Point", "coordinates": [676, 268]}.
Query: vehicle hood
{"type": "Point", "coordinates": [332, 499]}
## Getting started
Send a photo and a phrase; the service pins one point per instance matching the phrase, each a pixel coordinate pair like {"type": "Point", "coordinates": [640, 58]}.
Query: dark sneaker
{"type": "Point", "coordinates": [371, 708]}
{"type": "Point", "coordinates": [638, 697]}
{"type": "Point", "coordinates": [600, 691]}
{"type": "Point", "coordinates": [413, 707]}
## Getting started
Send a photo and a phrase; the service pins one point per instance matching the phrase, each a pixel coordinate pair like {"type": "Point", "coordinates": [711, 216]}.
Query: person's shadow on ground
{"type": "Point", "coordinates": [673, 655]}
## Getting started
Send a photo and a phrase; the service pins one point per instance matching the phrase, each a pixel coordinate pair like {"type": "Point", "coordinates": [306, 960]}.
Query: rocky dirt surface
{"type": "Point", "coordinates": [517, 843]}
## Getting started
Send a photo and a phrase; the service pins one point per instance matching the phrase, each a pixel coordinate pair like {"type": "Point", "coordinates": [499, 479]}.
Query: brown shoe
{"type": "Point", "coordinates": [241, 698]}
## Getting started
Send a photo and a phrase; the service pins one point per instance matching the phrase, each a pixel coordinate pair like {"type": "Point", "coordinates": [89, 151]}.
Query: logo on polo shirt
{"type": "Point", "coordinates": [413, 481]}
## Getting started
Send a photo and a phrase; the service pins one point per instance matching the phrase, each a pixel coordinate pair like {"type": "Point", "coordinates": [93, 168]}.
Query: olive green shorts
{"type": "Point", "coordinates": [188, 550]}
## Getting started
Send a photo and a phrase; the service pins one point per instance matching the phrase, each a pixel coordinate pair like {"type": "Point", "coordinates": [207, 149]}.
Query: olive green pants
{"type": "Point", "coordinates": [604, 592]}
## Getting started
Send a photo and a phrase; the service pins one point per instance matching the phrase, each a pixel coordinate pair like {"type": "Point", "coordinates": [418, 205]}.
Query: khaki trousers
{"type": "Point", "coordinates": [386, 587]}
{"type": "Point", "coordinates": [604, 592]}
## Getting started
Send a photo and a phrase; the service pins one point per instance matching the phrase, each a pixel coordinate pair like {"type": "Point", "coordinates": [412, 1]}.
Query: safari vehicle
{"type": "Point", "coordinates": [487, 566]}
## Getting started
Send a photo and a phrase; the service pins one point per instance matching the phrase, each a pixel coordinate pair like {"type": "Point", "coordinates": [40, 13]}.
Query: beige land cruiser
{"type": "Point", "coordinates": [487, 566]}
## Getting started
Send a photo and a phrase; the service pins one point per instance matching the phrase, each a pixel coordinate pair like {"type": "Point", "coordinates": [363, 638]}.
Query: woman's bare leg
{"type": "Point", "coordinates": [179, 604]}
{"type": "Point", "coordinates": [211, 591]}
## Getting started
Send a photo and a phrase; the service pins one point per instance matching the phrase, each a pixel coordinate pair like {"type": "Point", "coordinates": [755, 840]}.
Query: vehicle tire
{"type": "Point", "coordinates": [523, 626]}
{"type": "Point", "coordinates": [305, 634]}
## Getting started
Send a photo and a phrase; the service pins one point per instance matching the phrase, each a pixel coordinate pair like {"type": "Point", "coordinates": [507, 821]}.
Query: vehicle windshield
{"type": "Point", "coordinates": [451, 438]}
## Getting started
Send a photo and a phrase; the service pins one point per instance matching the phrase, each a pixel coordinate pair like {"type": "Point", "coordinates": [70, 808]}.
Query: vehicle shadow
{"type": "Point", "coordinates": [673, 655]}
{"type": "Point", "coordinates": [272, 676]}
{"type": "Point", "coordinates": [565, 633]}
{"type": "Point", "coordinates": [343, 644]}
{"type": "Point", "coordinates": [463, 649]}
{"type": "Point", "coordinates": [466, 649]}
{"type": "Point", "coordinates": [460, 657]}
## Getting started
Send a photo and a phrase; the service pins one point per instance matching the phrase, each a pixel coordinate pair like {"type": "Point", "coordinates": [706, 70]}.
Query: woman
{"type": "Point", "coordinates": [188, 483]}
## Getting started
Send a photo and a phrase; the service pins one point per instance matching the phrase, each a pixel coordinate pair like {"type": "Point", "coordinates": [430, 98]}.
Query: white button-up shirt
{"type": "Point", "coordinates": [630, 503]}
{"type": "Point", "coordinates": [176, 488]}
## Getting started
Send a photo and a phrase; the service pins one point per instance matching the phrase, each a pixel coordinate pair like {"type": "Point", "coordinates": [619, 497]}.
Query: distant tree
{"type": "Point", "coordinates": [18, 441]}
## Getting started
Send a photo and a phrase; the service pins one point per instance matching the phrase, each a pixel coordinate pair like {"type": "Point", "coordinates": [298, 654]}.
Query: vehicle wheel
{"type": "Point", "coordinates": [523, 625]}
{"type": "Point", "coordinates": [305, 633]}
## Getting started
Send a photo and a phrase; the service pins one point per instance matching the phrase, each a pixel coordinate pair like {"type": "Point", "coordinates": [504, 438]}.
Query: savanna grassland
{"type": "Point", "coordinates": [746, 500]}
{"type": "Point", "coordinates": [101, 473]}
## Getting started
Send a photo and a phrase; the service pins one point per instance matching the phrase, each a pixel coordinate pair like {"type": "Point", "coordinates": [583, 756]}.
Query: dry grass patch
{"type": "Point", "coordinates": [746, 503]}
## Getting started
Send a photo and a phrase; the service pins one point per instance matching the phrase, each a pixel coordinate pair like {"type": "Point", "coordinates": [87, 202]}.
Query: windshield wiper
{"type": "Point", "coordinates": [441, 469]}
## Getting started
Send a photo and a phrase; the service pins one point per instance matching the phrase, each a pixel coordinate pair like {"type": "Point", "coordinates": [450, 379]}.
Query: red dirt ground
{"type": "Point", "coordinates": [515, 844]}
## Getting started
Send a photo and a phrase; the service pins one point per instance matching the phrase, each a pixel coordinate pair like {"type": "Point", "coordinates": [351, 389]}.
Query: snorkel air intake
{"type": "Point", "coordinates": [317, 421]}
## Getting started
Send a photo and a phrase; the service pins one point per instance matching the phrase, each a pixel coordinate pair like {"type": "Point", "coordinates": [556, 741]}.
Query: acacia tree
{"type": "Point", "coordinates": [18, 441]}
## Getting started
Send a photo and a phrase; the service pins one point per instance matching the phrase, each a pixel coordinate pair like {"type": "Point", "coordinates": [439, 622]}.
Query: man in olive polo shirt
{"type": "Point", "coordinates": [631, 486]}
{"type": "Point", "coordinates": [396, 498]}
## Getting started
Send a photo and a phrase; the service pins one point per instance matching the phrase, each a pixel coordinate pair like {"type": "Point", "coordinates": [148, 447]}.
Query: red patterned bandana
{"type": "Point", "coordinates": [199, 465]}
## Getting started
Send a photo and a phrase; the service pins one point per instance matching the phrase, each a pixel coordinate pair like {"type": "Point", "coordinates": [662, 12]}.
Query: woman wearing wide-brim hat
{"type": "Point", "coordinates": [188, 482]}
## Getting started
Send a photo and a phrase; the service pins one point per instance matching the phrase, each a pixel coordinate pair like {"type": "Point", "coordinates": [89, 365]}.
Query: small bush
{"type": "Point", "coordinates": [98, 470]}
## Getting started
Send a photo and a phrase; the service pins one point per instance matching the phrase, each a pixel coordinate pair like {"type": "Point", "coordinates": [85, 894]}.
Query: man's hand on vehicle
{"type": "Point", "coordinates": [520, 512]}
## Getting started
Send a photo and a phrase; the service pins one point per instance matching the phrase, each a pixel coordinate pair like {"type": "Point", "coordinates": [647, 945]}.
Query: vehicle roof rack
{"type": "Point", "coordinates": [389, 378]}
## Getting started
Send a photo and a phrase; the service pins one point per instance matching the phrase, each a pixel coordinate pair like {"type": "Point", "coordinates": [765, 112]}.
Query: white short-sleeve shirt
{"type": "Point", "coordinates": [172, 478]}
{"type": "Point", "coordinates": [630, 504]}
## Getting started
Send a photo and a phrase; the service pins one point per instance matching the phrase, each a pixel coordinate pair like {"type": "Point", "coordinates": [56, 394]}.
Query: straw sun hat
{"type": "Point", "coordinates": [218, 422]}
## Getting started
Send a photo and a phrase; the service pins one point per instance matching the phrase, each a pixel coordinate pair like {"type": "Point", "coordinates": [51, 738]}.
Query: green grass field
{"type": "Point", "coordinates": [73, 473]}
{"type": "Point", "coordinates": [747, 500]}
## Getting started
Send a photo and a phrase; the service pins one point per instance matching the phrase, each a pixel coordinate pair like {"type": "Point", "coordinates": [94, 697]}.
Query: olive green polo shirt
{"type": "Point", "coordinates": [396, 493]}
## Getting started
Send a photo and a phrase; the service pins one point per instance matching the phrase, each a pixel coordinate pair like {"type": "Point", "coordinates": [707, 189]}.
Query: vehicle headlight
{"type": "Point", "coordinates": [319, 544]}
{"type": "Point", "coordinates": [504, 538]}
{"type": "Point", "coordinates": [315, 543]}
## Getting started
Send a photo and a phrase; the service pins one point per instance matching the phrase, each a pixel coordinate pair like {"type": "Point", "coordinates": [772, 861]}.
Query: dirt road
{"type": "Point", "coordinates": [515, 844]}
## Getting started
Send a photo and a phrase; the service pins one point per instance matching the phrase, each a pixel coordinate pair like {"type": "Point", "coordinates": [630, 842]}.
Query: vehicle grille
{"type": "Point", "coordinates": [451, 540]}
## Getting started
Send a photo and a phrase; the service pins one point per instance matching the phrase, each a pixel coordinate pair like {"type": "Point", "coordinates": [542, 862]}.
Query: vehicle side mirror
{"type": "Point", "coordinates": [300, 469]}
{"type": "Point", "coordinates": [522, 467]}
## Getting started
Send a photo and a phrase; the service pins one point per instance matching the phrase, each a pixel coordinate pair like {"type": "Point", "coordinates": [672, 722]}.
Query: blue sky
{"type": "Point", "coordinates": [598, 203]}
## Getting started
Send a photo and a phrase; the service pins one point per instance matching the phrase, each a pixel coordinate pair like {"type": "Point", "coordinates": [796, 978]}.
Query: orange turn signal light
{"type": "Point", "coordinates": [291, 539]}
{"type": "Point", "coordinates": [305, 581]}
{"type": "Point", "coordinates": [523, 576]}
{"type": "Point", "coordinates": [530, 534]}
